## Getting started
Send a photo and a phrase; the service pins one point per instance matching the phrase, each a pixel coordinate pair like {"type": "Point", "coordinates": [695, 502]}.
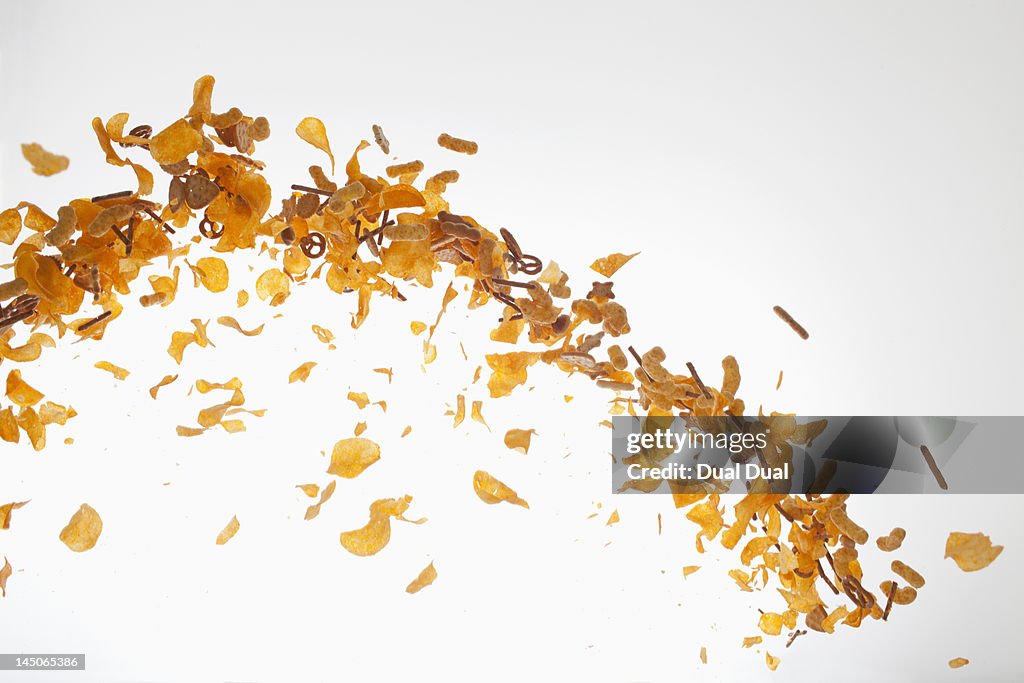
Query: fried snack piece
{"type": "Point", "coordinates": [313, 131]}
{"type": "Point", "coordinates": [519, 439]}
{"type": "Point", "coordinates": [82, 530]}
{"type": "Point", "coordinates": [372, 538]}
{"type": "Point", "coordinates": [958, 662]}
{"type": "Point", "coordinates": [44, 163]}
{"type": "Point", "coordinates": [425, 578]}
{"type": "Point", "coordinates": [5, 513]}
{"type": "Point", "coordinates": [5, 573]}
{"type": "Point", "coordinates": [971, 552]}
{"type": "Point", "coordinates": [117, 372]}
{"type": "Point", "coordinates": [891, 541]}
{"type": "Point", "coordinates": [457, 144]}
{"type": "Point", "coordinates": [351, 456]}
{"type": "Point", "coordinates": [301, 373]}
{"type": "Point", "coordinates": [229, 531]}
{"type": "Point", "coordinates": [228, 321]}
{"type": "Point", "coordinates": [609, 265]}
{"type": "Point", "coordinates": [162, 383]}
{"type": "Point", "coordinates": [213, 273]}
{"type": "Point", "coordinates": [492, 491]}
{"type": "Point", "coordinates": [313, 510]}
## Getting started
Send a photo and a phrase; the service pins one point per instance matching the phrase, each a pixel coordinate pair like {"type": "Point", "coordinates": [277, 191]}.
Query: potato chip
{"type": "Point", "coordinates": [119, 373]}
{"type": "Point", "coordinates": [274, 285]}
{"type": "Point", "coordinates": [44, 163]}
{"type": "Point", "coordinates": [971, 552]}
{"type": "Point", "coordinates": [313, 131]}
{"type": "Point", "coordinates": [311, 490]}
{"type": "Point", "coordinates": [476, 413]}
{"type": "Point", "coordinates": [457, 144]}
{"type": "Point", "coordinates": [508, 371]}
{"type": "Point", "coordinates": [213, 273]}
{"type": "Point", "coordinates": [690, 569]}
{"type": "Point", "coordinates": [19, 392]}
{"type": "Point", "coordinates": [519, 439]}
{"type": "Point", "coordinates": [372, 538]}
{"type": "Point", "coordinates": [314, 510]}
{"type": "Point", "coordinates": [229, 531]}
{"type": "Point", "coordinates": [162, 383]}
{"type": "Point", "coordinates": [613, 518]}
{"type": "Point", "coordinates": [6, 511]}
{"type": "Point", "coordinates": [491, 490]}
{"type": "Point", "coordinates": [359, 398]}
{"type": "Point", "coordinates": [301, 373]}
{"type": "Point", "coordinates": [228, 321]}
{"type": "Point", "coordinates": [772, 662]}
{"type": "Point", "coordinates": [351, 456]}
{"type": "Point", "coordinates": [175, 143]}
{"type": "Point", "coordinates": [425, 578]}
{"type": "Point", "coordinates": [703, 655]}
{"type": "Point", "coordinates": [958, 662]}
{"type": "Point", "coordinates": [179, 341]}
{"type": "Point", "coordinates": [242, 298]}
{"type": "Point", "coordinates": [608, 265]}
{"type": "Point", "coordinates": [402, 169]}
{"type": "Point", "coordinates": [83, 529]}
{"type": "Point", "coordinates": [751, 641]}
{"type": "Point", "coordinates": [5, 573]}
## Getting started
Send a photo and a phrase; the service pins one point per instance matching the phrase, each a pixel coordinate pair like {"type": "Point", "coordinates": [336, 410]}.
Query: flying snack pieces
{"type": "Point", "coordinates": [369, 236]}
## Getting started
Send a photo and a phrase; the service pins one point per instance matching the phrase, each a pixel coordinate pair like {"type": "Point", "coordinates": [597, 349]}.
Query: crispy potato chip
{"type": "Point", "coordinates": [20, 392]}
{"type": "Point", "coordinates": [690, 569]}
{"type": "Point", "coordinates": [323, 334]}
{"type": "Point", "coordinates": [417, 327]}
{"type": "Point", "coordinates": [190, 431]}
{"type": "Point", "coordinates": [492, 491]}
{"type": "Point", "coordinates": [508, 371]}
{"type": "Point", "coordinates": [243, 298]}
{"type": "Point", "coordinates": [313, 131]}
{"type": "Point", "coordinates": [703, 655]}
{"type": "Point", "coordinates": [772, 662]}
{"type": "Point", "coordinates": [175, 143]}
{"type": "Point", "coordinates": [119, 373]}
{"type": "Point", "coordinates": [351, 456]}
{"type": "Point", "coordinates": [613, 518]}
{"type": "Point", "coordinates": [213, 273]}
{"type": "Point", "coordinates": [608, 265]}
{"type": "Point", "coordinates": [180, 340]}
{"type": "Point", "coordinates": [228, 321]}
{"type": "Point", "coordinates": [314, 510]}
{"type": "Point", "coordinates": [162, 383]}
{"type": "Point", "coordinates": [311, 490]}
{"type": "Point", "coordinates": [476, 413]}
{"type": "Point", "coordinates": [83, 530]}
{"type": "Point", "coordinates": [958, 662]}
{"type": "Point", "coordinates": [228, 532]}
{"type": "Point", "coordinates": [301, 373]}
{"type": "Point", "coordinates": [460, 410]}
{"type": "Point", "coordinates": [273, 284]}
{"type": "Point", "coordinates": [44, 163]}
{"type": "Point", "coordinates": [425, 578]}
{"type": "Point", "coordinates": [7, 510]}
{"type": "Point", "coordinates": [372, 538]}
{"type": "Point", "coordinates": [5, 574]}
{"type": "Point", "coordinates": [971, 552]}
{"type": "Point", "coordinates": [406, 431]}
{"type": "Point", "coordinates": [359, 398]}
{"type": "Point", "coordinates": [519, 439]}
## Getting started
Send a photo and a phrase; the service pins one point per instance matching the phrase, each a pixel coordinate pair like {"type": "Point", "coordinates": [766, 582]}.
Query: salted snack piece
{"type": "Point", "coordinates": [519, 439]}
{"type": "Point", "coordinates": [490, 490]}
{"type": "Point", "coordinates": [375, 535]}
{"type": "Point", "coordinates": [958, 662]}
{"type": "Point", "coordinates": [229, 531]}
{"type": "Point", "coordinates": [609, 265]}
{"type": "Point", "coordinates": [402, 169]}
{"type": "Point", "coordinates": [351, 457]}
{"type": "Point", "coordinates": [117, 372]}
{"type": "Point", "coordinates": [971, 552]}
{"type": "Point", "coordinates": [313, 131]}
{"type": "Point", "coordinates": [381, 139]}
{"type": "Point", "coordinates": [168, 379]}
{"type": "Point", "coordinates": [44, 163]}
{"type": "Point", "coordinates": [82, 530]}
{"type": "Point", "coordinates": [67, 223]}
{"type": "Point", "coordinates": [425, 578]}
{"type": "Point", "coordinates": [891, 541]}
{"type": "Point", "coordinates": [301, 373]}
{"type": "Point", "coordinates": [457, 144]}
{"type": "Point", "coordinates": [6, 511]}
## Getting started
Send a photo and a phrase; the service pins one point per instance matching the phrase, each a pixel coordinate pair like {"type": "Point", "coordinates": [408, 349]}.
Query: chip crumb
{"type": "Point", "coordinates": [958, 662]}
{"type": "Point", "coordinates": [117, 372]}
{"type": "Point", "coordinates": [425, 578]}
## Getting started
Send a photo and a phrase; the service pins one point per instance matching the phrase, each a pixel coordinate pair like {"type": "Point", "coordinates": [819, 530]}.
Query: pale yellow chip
{"type": "Point", "coordinates": [359, 398]}
{"type": "Point", "coordinates": [311, 490]}
{"type": "Point", "coordinates": [751, 641]}
{"type": "Point", "coordinates": [703, 655]}
{"type": "Point", "coordinates": [476, 413]}
{"type": "Point", "coordinates": [417, 327]}
{"type": "Point", "coordinates": [229, 531]}
{"type": "Point", "coordinates": [83, 530]}
{"type": "Point", "coordinates": [313, 131]}
{"type": "Point", "coordinates": [519, 439]}
{"type": "Point", "coordinates": [608, 265]}
{"type": "Point", "coordinates": [351, 456]}
{"type": "Point", "coordinates": [971, 552]}
{"type": "Point", "coordinates": [301, 373]}
{"type": "Point", "coordinates": [44, 163]}
{"type": "Point", "coordinates": [490, 490]}
{"type": "Point", "coordinates": [162, 383]}
{"type": "Point", "coordinates": [771, 661]}
{"type": "Point", "coordinates": [117, 372]}
{"type": "Point", "coordinates": [273, 285]}
{"type": "Point", "coordinates": [425, 578]}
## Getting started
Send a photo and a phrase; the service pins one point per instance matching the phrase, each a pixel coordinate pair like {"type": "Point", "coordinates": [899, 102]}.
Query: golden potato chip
{"type": "Point", "coordinates": [425, 578]}
{"type": "Point", "coordinates": [460, 410]}
{"type": "Point", "coordinates": [162, 383]}
{"type": "Point", "coordinates": [179, 341]}
{"type": "Point", "coordinates": [119, 373]}
{"type": "Point", "coordinates": [189, 431]}
{"type": "Point", "coordinates": [314, 510]}
{"type": "Point", "coordinates": [44, 163]}
{"type": "Point", "coordinates": [476, 413]}
{"type": "Point", "coordinates": [772, 662]}
{"type": "Point", "coordinates": [751, 641]}
{"type": "Point", "coordinates": [213, 273]}
{"type": "Point", "coordinates": [7, 510]}
{"type": "Point", "coordinates": [608, 265]}
{"type": "Point", "coordinates": [492, 491]}
{"type": "Point", "coordinates": [301, 374]}
{"type": "Point", "coordinates": [457, 144]}
{"type": "Point", "coordinates": [359, 398]}
{"type": "Point", "coordinates": [406, 431]}
{"type": "Point", "coordinates": [313, 131]}
{"type": "Point", "coordinates": [690, 569]}
{"type": "Point", "coordinates": [311, 490]}
{"type": "Point", "coordinates": [372, 538]}
{"type": "Point", "coordinates": [359, 428]}
{"type": "Point", "coordinates": [228, 321]}
{"type": "Point", "coordinates": [273, 284]}
{"type": "Point", "coordinates": [10, 225]}
{"type": "Point", "coordinates": [613, 518]}
{"type": "Point", "coordinates": [243, 298]}
{"type": "Point", "coordinates": [958, 662]}
{"type": "Point", "coordinates": [417, 327]}
{"type": "Point", "coordinates": [508, 371]}
{"type": "Point", "coordinates": [703, 655]}
{"type": "Point", "coordinates": [229, 531]}
{"type": "Point", "coordinates": [519, 439]}
{"type": "Point", "coordinates": [20, 392]}
{"type": "Point", "coordinates": [30, 422]}
{"type": "Point", "coordinates": [971, 552]}
{"type": "Point", "coordinates": [83, 530]}
{"type": "Point", "coordinates": [5, 573]}
{"type": "Point", "coordinates": [175, 143]}
{"type": "Point", "coordinates": [351, 456]}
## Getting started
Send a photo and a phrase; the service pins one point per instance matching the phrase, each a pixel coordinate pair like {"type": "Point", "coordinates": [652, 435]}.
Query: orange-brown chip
{"type": "Point", "coordinates": [971, 552]}
{"type": "Point", "coordinates": [608, 265]}
{"type": "Point", "coordinates": [425, 578]}
{"type": "Point", "coordinates": [301, 373]}
{"type": "Point", "coordinates": [519, 439]}
{"type": "Point", "coordinates": [7, 510]}
{"type": "Point", "coordinates": [5, 573]}
{"type": "Point", "coordinates": [274, 285]}
{"type": "Point", "coordinates": [491, 490]}
{"type": "Point", "coordinates": [19, 391]}
{"type": "Point", "coordinates": [228, 532]}
{"type": "Point", "coordinates": [44, 163]}
{"type": "Point", "coordinates": [119, 373]}
{"type": "Point", "coordinates": [213, 273]}
{"type": "Point", "coordinates": [351, 456]}
{"type": "Point", "coordinates": [83, 530]}
{"type": "Point", "coordinates": [313, 131]}
{"type": "Point", "coordinates": [958, 662]}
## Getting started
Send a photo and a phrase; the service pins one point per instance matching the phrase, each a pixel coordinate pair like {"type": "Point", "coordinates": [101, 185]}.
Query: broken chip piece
{"type": "Point", "coordinates": [82, 530]}
{"type": "Point", "coordinates": [971, 552]}
{"type": "Point", "coordinates": [425, 578]}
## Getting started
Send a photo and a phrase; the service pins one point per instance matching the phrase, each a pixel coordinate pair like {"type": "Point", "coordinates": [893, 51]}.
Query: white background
{"type": "Point", "coordinates": [857, 163]}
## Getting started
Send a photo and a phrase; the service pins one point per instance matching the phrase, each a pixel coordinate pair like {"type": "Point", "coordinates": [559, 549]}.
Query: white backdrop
{"type": "Point", "coordinates": [859, 164]}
